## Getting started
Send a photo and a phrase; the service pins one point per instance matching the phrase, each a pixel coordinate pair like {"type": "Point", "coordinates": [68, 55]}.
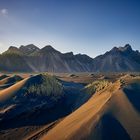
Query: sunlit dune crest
{"type": "Point", "coordinates": [93, 120]}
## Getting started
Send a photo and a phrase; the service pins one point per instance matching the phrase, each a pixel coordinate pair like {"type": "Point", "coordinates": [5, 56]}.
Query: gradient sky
{"type": "Point", "coordinates": [82, 26]}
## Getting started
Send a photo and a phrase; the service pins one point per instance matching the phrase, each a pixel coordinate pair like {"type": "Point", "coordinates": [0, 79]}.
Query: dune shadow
{"type": "Point", "coordinates": [112, 129]}
{"type": "Point", "coordinates": [43, 115]}
{"type": "Point", "coordinates": [133, 95]}
{"type": "Point", "coordinates": [37, 117]}
{"type": "Point", "coordinates": [75, 95]}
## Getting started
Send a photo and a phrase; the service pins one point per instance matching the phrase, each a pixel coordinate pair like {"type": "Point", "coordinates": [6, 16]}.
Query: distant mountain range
{"type": "Point", "coordinates": [32, 59]}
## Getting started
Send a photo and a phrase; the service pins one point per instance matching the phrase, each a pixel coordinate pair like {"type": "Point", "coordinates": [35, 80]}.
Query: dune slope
{"type": "Point", "coordinates": [11, 91]}
{"type": "Point", "coordinates": [109, 114]}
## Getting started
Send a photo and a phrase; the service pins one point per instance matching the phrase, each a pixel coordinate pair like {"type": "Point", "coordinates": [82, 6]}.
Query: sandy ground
{"type": "Point", "coordinates": [89, 121]}
{"type": "Point", "coordinates": [111, 114]}
{"type": "Point", "coordinates": [11, 91]}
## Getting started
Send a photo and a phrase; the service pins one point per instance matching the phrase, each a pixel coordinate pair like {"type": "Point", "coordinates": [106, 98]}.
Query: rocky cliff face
{"type": "Point", "coordinates": [121, 59]}
{"type": "Point", "coordinates": [32, 59]}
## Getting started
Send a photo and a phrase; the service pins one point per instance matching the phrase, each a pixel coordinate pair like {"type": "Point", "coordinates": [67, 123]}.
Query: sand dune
{"type": "Point", "coordinates": [4, 81]}
{"type": "Point", "coordinates": [109, 115]}
{"type": "Point", "coordinates": [10, 80]}
{"type": "Point", "coordinates": [3, 76]}
{"type": "Point", "coordinates": [11, 91]}
{"type": "Point", "coordinates": [113, 113]}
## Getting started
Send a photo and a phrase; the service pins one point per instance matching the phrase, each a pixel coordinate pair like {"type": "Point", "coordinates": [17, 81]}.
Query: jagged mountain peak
{"type": "Point", "coordinates": [118, 59]}
{"type": "Point", "coordinates": [69, 54]}
{"type": "Point", "coordinates": [13, 48]}
{"type": "Point", "coordinates": [30, 46]}
{"type": "Point", "coordinates": [115, 49]}
{"type": "Point", "coordinates": [29, 49]}
{"type": "Point", "coordinates": [48, 49]}
{"type": "Point", "coordinates": [126, 48]}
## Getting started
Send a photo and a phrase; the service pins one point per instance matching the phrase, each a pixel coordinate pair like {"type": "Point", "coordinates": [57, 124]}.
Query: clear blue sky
{"type": "Point", "coordinates": [81, 26]}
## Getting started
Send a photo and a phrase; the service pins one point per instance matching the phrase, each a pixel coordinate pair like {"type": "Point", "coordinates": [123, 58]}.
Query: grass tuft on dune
{"type": "Point", "coordinates": [112, 113]}
{"type": "Point", "coordinates": [96, 86]}
{"type": "Point", "coordinates": [44, 85]}
{"type": "Point", "coordinates": [40, 86]}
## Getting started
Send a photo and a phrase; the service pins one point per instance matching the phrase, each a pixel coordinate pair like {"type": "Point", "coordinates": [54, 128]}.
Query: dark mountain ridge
{"type": "Point", "coordinates": [121, 59]}
{"type": "Point", "coordinates": [30, 58]}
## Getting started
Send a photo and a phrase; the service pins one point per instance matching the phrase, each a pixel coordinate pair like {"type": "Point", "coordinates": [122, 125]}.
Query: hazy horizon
{"type": "Point", "coordinates": [88, 27]}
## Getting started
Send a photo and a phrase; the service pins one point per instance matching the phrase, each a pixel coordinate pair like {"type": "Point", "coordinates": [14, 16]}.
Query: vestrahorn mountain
{"type": "Point", "coordinates": [32, 59]}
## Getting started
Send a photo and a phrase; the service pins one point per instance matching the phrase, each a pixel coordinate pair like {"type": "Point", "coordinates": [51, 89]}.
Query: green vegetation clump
{"type": "Point", "coordinates": [96, 86]}
{"type": "Point", "coordinates": [44, 85]}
